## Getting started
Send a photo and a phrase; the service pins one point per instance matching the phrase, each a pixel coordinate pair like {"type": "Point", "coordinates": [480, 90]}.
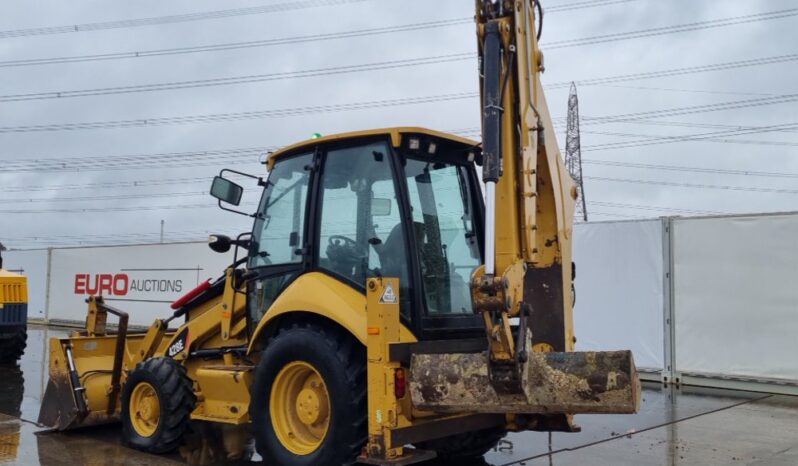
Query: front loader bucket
{"type": "Point", "coordinates": [63, 407]}
{"type": "Point", "coordinates": [58, 408]}
{"type": "Point", "coordinates": [567, 383]}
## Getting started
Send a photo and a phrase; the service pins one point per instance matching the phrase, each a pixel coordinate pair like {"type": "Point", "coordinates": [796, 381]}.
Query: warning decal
{"type": "Point", "coordinates": [388, 296]}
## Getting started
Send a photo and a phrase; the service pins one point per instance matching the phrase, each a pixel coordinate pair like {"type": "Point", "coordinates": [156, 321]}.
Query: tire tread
{"type": "Point", "coordinates": [173, 381]}
{"type": "Point", "coordinates": [352, 356]}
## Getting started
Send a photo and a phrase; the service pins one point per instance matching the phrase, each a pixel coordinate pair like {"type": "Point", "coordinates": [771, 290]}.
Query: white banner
{"type": "Point", "coordinates": [141, 280]}
{"type": "Point", "coordinates": [735, 295]}
{"type": "Point", "coordinates": [33, 264]}
{"type": "Point", "coordinates": [619, 289]}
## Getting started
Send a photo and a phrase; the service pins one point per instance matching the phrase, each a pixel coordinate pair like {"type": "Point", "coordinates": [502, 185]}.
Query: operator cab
{"type": "Point", "coordinates": [400, 203]}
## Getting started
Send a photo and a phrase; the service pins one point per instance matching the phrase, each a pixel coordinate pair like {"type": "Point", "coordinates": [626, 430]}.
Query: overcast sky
{"type": "Point", "coordinates": [35, 210]}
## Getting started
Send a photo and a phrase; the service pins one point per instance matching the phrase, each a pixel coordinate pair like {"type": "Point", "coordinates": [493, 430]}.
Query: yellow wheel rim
{"type": "Point", "coordinates": [300, 408]}
{"type": "Point", "coordinates": [145, 409]}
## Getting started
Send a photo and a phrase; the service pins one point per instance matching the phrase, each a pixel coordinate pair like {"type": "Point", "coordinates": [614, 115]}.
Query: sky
{"type": "Point", "coordinates": [110, 167]}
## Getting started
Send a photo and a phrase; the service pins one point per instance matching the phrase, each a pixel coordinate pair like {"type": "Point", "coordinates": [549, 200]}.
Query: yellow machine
{"type": "Point", "coordinates": [383, 312]}
{"type": "Point", "coordinates": [13, 314]}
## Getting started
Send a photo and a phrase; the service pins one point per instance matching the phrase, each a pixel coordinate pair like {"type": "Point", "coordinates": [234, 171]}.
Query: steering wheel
{"type": "Point", "coordinates": [341, 241]}
{"type": "Point", "coordinates": [344, 251]}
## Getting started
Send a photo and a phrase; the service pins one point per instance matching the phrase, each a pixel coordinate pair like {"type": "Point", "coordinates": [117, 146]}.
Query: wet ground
{"type": "Point", "coordinates": [674, 427]}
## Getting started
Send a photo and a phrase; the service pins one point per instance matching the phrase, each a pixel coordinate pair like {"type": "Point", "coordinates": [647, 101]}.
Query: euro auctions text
{"type": "Point", "coordinates": [121, 284]}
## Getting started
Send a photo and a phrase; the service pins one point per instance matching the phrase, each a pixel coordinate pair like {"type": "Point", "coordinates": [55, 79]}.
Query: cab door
{"type": "Point", "coordinates": [361, 232]}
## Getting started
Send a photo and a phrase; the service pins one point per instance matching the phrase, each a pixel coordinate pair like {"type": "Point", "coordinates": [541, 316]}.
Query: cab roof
{"type": "Point", "coordinates": [394, 133]}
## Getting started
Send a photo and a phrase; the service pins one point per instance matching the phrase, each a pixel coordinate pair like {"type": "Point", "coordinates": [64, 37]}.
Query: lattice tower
{"type": "Point", "coordinates": [573, 154]}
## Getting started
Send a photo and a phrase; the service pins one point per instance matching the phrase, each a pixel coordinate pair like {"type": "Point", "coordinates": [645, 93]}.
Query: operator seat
{"type": "Point", "coordinates": [393, 259]}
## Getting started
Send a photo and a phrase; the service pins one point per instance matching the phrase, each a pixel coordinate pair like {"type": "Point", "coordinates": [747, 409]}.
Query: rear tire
{"type": "Point", "coordinates": [12, 346]}
{"type": "Point", "coordinates": [330, 361]}
{"type": "Point", "coordinates": [157, 401]}
{"type": "Point", "coordinates": [466, 446]}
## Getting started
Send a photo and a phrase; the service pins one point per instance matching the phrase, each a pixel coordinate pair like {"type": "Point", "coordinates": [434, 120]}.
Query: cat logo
{"type": "Point", "coordinates": [388, 296]}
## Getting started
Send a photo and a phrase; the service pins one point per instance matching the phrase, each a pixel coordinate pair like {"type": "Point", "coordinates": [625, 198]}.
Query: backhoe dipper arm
{"type": "Point", "coordinates": [529, 198]}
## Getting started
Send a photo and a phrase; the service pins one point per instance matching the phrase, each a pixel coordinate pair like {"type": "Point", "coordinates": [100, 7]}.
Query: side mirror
{"type": "Point", "coordinates": [220, 243]}
{"type": "Point", "coordinates": [227, 191]}
{"type": "Point", "coordinates": [380, 207]}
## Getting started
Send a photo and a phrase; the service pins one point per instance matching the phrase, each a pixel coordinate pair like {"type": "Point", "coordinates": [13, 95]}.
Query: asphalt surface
{"type": "Point", "coordinates": [674, 427]}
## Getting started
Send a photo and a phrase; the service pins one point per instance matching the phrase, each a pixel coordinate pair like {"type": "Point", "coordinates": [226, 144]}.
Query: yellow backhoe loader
{"type": "Point", "coordinates": [383, 311]}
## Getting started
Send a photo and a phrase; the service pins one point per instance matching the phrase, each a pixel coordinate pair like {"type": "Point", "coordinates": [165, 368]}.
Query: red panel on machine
{"type": "Point", "coordinates": [191, 294]}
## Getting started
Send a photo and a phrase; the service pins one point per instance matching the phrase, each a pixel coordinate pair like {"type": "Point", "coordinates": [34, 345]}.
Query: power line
{"type": "Point", "coordinates": [337, 70]}
{"type": "Point", "coordinates": [104, 198]}
{"type": "Point", "coordinates": [258, 43]}
{"type": "Point", "coordinates": [110, 209]}
{"type": "Point", "coordinates": [655, 208]}
{"type": "Point", "coordinates": [154, 238]}
{"type": "Point", "coordinates": [706, 137]}
{"type": "Point", "coordinates": [679, 71]}
{"type": "Point", "coordinates": [237, 116]}
{"type": "Point", "coordinates": [693, 125]}
{"type": "Point", "coordinates": [237, 45]}
{"type": "Point", "coordinates": [677, 111]}
{"type": "Point", "coordinates": [171, 19]}
{"type": "Point", "coordinates": [193, 119]}
{"type": "Point", "coordinates": [205, 205]}
{"type": "Point", "coordinates": [106, 185]}
{"type": "Point", "coordinates": [651, 32]}
{"type": "Point", "coordinates": [711, 136]}
{"type": "Point", "coordinates": [61, 161]}
{"type": "Point", "coordinates": [107, 239]}
{"type": "Point", "coordinates": [608, 214]}
{"type": "Point", "coordinates": [138, 161]}
{"type": "Point", "coordinates": [582, 5]}
{"type": "Point", "coordinates": [38, 237]}
{"type": "Point", "coordinates": [678, 168]}
{"type": "Point", "coordinates": [374, 66]}
{"type": "Point", "coordinates": [210, 157]}
{"type": "Point", "coordinates": [206, 157]}
{"type": "Point", "coordinates": [696, 186]}
{"type": "Point", "coordinates": [692, 91]}
{"type": "Point", "coordinates": [182, 181]}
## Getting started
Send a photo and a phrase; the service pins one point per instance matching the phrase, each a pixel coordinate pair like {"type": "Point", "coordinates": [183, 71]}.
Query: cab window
{"type": "Point", "coordinates": [443, 217]}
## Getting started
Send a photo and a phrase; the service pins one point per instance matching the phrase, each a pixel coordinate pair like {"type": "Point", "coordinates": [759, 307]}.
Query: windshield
{"type": "Point", "coordinates": [442, 205]}
{"type": "Point", "coordinates": [277, 235]}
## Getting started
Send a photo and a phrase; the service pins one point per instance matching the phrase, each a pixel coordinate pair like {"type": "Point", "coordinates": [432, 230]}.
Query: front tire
{"type": "Point", "coordinates": [308, 404]}
{"type": "Point", "coordinates": [157, 401]}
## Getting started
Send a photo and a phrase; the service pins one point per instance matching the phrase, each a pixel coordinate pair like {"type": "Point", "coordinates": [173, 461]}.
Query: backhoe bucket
{"type": "Point", "coordinates": [554, 383]}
